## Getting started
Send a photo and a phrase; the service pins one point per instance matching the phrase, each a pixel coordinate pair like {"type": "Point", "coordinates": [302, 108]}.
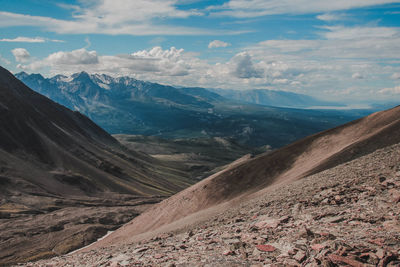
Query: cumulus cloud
{"type": "Point", "coordinates": [79, 57]}
{"type": "Point", "coordinates": [21, 54]}
{"type": "Point", "coordinates": [64, 59]}
{"type": "Point", "coordinates": [218, 43]}
{"type": "Point", "coordinates": [244, 68]}
{"type": "Point", "coordinates": [155, 62]}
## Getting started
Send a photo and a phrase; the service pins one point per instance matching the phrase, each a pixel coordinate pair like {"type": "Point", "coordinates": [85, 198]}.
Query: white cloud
{"type": "Point", "coordinates": [391, 90]}
{"type": "Point", "coordinates": [22, 39]}
{"type": "Point", "coordinates": [21, 54]}
{"type": "Point", "coordinates": [147, 64]}
{"type": "Point", "coordinates": [4, 60]}
{"type": "Point", "coordinates": [331, 17]}
{"type": "Point", "coordinates": [243, 67]}
{"type": "Point", "coordinates": [357, 75]}
{"type": "Point", "coordinates": [64, 60]}
{"type": "Point", "coordinates": [114, 17]}
{"type": "Point", "coordinates": [395, 76]}
{"type": "Point", "coordinates": [79, 56]}
{"type": "Point", "coordinates": [346, 33]}
{"type": "Point", "coordinates": [218, 43]}
{"type": "Point", "coordinates": [256, 8]}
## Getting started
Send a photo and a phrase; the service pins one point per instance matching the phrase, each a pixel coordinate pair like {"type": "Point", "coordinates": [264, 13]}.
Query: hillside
{"type": "Point", "coordinates": [124, 105]}
{"type": "Point", "coordinates": [347, 215]}
{"type": "Point", "coordinates": [54, 165]}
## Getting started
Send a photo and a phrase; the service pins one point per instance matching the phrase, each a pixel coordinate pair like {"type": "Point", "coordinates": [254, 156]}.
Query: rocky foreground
{"type": "Point", "coordinates": [346, 216]}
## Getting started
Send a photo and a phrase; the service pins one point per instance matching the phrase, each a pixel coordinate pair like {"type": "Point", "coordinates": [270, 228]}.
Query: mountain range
{"type": "Point", "coordinates": [125, 105]}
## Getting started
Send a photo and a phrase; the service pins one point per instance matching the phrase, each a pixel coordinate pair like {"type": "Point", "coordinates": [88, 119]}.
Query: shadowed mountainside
{"type": "Point", "coordinates": [54, 165]}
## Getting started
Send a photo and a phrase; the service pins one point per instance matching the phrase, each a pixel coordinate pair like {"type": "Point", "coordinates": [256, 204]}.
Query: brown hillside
{"type": "Point", "coordinates": [307, 156]}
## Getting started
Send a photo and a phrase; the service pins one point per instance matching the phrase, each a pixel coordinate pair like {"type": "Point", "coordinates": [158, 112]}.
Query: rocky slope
{"type": "Point", "coordinates": [329, 199]}
{"type": "Point", "coordinates": [52, 160]}
{"type": "Point", "coordinates": [344, 216]}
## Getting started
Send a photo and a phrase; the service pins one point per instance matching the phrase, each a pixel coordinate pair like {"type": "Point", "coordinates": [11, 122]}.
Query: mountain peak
{"type": "Point", "coordinates": [81, 75]}
{"type": "Point", "coordinates": [21, 75]}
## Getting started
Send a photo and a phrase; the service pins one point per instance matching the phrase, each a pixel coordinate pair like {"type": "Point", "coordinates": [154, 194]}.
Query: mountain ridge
{"type": "Point", "coordinates": [275, 98]}
{"type": "Point", "coordinates": [125, 105]}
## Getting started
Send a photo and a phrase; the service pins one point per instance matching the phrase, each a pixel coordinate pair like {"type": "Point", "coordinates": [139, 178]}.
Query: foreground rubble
{"type": "Point", "coordinates": [346, 216]}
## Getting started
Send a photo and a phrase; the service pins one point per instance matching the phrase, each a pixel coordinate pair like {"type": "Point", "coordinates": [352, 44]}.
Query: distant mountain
{"type": "Point", "coordinates": [273, 98]}
{"type": "Point", "coordinates": [125, 105]}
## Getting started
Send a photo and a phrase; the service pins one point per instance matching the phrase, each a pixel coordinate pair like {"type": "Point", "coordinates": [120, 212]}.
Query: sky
{"type": "Point", "coordinates": [342, 50]}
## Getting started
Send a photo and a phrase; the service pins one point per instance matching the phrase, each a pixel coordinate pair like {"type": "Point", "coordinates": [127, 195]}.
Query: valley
{"type": "Point", "coordinates": [198, 157]}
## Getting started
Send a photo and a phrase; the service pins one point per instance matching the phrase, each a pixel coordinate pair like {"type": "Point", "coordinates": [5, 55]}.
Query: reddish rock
{"type": "Point", "coordinates": [380, 253]}
{"type": "Point", "coordinates": [378, 241]}
{"type": "Point", "coordinates": [317, 247]}
{"type": "Point", "coordinates": [340, 259]}
{"type": "Point", "coordinates": [300, 256]}
{"type": "Point", "coordinates": [158, 256]}
{"type": "Point", "coordinates": [341, 251]}
{"type": "Point", "coordinates": [140, 250]}
{"type": "Point", "coordinates": [266, 248]}
{"type": "Point", "coordinates": [267, 223]}
{"type": "Point", "coordinates": [229, 252]}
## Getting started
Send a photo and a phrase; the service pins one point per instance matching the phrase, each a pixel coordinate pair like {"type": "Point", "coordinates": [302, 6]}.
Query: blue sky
{"type": "Point", "coordinates": [346, 50]}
